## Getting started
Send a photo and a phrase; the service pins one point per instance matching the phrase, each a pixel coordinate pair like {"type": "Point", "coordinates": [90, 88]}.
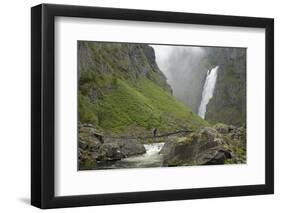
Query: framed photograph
{"type": "Point", "coordinates": [139, 106]}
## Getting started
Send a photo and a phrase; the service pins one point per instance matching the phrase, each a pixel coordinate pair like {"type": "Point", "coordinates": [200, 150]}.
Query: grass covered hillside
{"type": "Point", "coordinates": [123, 92]}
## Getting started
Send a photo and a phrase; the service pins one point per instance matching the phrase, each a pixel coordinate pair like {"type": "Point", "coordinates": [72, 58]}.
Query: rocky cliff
{"type": "Point", "coordinates": [122, 91]}
{"type": "Point", "coordinates": [187, 70]}
{"type": "Point", "coordinates": [228, 104]}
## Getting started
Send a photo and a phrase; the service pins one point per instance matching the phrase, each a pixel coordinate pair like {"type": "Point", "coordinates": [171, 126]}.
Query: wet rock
{"type": "Point", "coordinates": [95, 149]}
{"type": "Point", "coordinates": [110, 152]}
{"type": "Point", "coordinates": [118, 149]}
{"type": "Point", "coordinates": [131, 147]}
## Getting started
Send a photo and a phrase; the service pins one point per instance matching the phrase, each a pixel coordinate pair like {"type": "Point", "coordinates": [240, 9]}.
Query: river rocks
{"type": "Point", "coordinates": [109, 152]}
{"type": "Point", "coordinates": [131, 147]}
{"type": "Point", "coordinates": [208, 146]}
{"type": "Point", "coordinates": [94, 148]}
{"type": "Point", "coordinates": [116, 149]}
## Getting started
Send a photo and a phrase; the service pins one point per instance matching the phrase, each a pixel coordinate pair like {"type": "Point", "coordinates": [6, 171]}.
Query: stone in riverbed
{"type": "Point", "coordinates": [118, 149]}
{"type": "Point", "coordinates": [110, 152]}
{"type": "Point", "coordinates": [95, 148]}
{"type": "Point", "coordinates": [131, 147]}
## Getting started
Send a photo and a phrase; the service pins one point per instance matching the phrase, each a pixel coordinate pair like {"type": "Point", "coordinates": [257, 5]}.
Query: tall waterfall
{"type": "Point", "coordinates": [208, 90]}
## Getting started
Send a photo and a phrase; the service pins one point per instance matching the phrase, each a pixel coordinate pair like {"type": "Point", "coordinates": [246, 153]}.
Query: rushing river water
{"type": "Point", "coordinates": [152, 158]}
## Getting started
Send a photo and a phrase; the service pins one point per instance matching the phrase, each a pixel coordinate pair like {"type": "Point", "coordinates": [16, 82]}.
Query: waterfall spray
{"type": "Point", "coordinates": [208, 90]}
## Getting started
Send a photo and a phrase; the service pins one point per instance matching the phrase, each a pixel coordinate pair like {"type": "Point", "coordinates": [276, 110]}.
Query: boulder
{"type": "Point", "coordinates": [117, 149]}
{"type": "Point", "coordinates": [94, 148]}
{"type": "Point", "coordinates": [204, 147]}
{"type": "Point", "coordinates": [131, 147]}
{"type": "Point", "coordinates": [110, 152]}
{"type": "Point", "coordinates": [213, 157]}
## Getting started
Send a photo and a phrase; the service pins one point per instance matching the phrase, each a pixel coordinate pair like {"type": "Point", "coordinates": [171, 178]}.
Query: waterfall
{"type": "Point", "coordinates": [208, 90]}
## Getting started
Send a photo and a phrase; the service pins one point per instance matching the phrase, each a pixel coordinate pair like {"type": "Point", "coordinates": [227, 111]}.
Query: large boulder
{"type": "Point", "coordinates": [131, 147]}
{"type": "Point", "coordinates": [116, 149]}
{"type": "Point", "coordinates": [87, 144]}
{"type": "Point", "coordinates": [219, 145]}
{"type": "Point", "coordinates": [109, 152]}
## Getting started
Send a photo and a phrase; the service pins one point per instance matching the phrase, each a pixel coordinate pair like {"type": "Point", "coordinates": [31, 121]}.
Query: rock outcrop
{"type": "Point", "coordinates": [95, 149]}
{"type": "Point", "coordinates": [220, 144]}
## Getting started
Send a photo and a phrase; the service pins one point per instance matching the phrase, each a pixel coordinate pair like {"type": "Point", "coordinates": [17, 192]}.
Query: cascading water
{"type": "Point", "coordinates": [208, 90]}
{"type": "Point", "coordinates": [151, 158]}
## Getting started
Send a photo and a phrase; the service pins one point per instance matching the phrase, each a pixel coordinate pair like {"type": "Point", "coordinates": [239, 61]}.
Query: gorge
{"type": "Point", "coordinates": [185, 68]}
{"type": "Point", "coordinates": [146, 106]}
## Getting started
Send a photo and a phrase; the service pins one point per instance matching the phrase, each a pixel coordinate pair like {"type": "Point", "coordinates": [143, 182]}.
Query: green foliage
{"type": "Point", "coordinates": [126, 101]}
{"type": "Point", "coordinates": [87, 111]}
{"type": "Point", "coordinates": [143, 105]}
{"type": "Point", "coordinates": [227, 115]}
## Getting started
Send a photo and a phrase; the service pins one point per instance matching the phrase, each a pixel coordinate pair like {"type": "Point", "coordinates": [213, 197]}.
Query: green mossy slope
{"type": "Point", "coordinates": [122, 91]}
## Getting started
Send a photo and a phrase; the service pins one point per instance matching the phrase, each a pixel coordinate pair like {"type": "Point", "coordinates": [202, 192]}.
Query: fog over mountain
{"type": "Point", "coordinates": [185, 69]}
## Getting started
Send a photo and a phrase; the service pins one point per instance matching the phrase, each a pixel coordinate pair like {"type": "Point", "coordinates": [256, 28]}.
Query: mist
{"type": "Point", "coordinates": [185, 69]}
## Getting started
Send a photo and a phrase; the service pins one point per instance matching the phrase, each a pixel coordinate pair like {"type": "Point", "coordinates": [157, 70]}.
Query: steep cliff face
{"type": "Point", "coordinates": [122, 91]}
{"type": "Point", "coordinates": [228, 104]}
{"type": "Point", "coordinates": [186, 68]}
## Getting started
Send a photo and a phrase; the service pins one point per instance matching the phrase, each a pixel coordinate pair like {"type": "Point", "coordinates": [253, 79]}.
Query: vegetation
{"type": "Point", "coordinates": [124, 92]}
{"type": "Point", "coordinates": [124, 99]}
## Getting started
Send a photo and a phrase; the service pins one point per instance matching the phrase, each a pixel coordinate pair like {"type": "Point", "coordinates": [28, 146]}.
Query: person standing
{"type": "Point", "coordinates": [154, 131]}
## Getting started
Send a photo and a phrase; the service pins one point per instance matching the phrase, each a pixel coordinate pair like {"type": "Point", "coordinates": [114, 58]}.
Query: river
{"type": "Point", "coordinates": [152, 158]}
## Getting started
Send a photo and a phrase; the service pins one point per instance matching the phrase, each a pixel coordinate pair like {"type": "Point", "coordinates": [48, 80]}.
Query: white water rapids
{"type": "Point", "coordinates": [208, 90]}
{"type": "Point", "coordinates": [151, 158]}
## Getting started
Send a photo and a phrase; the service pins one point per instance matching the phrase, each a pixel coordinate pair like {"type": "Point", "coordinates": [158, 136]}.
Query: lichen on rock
{"type": "Point", "coordinates": [209, 146]}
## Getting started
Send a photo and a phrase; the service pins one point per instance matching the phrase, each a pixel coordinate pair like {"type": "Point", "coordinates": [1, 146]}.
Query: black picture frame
{"type": "Point", "coordinates": [43, 105]}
